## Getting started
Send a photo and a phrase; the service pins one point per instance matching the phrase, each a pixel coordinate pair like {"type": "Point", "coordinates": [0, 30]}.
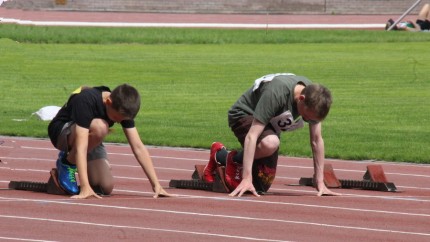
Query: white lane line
{"type": "Point", "coordinates": [358, 171]}
{"type": "Point", "coordinates": [242, 218]}
{"type": "Point", "coordinates": [276, 188]}
{"type": "Point", "coordinates": [345, 194]}
{"type": "Point", "coordinates": [133, 227]}
{"type": "Point", "coordinates": [205, 160]}
{"type": "Point", "coordinates": [251, 200]}
{"type": "Point", "coordinates": [207, 151]}
{"type": "Point", "coordinates": [192, 25]}
{"type": "Point", "coordinates": [191, 170]}
{"type": "Point", "coordinates": [385, 163]}
{"type": "Point", "coordinates": [25, 239]}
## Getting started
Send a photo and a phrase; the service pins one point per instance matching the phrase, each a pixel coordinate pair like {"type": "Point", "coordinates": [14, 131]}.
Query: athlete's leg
{"type": "Point", "coordinates": [99, 171]}
{"type": "Point", "coordinates": [267, 146]}
{"type": "Point", "coordinates": [424, 12]}
{"type": "Point", "coordinates": [264, 171]}
{"type": "Point", "coordinates": [267, 143]}
{"type": "Point", "coordinates": [66, 170]}
{"type": "Point", "coordinates": [265, 159]}
{"type": "Point", "coordinates": [209, 170]}
{"type": "Point", "coordinates": [66, 160]}
{"type": "Point", "coordinates": [98, 130]}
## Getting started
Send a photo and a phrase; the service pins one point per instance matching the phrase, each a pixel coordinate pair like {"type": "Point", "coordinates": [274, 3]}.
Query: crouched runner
{"type": "Point", "coordinates": [275, 103]}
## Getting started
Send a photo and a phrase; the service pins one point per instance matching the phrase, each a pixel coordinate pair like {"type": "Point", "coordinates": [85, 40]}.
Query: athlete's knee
{"type": "Point", "coordinates": [424, 11]}
{"type": "Point", "coordinates": [99, 129]}
{"type": "Point", "coordinates": [105, 188]}
{"type": "Point", "coordinates": [103, 184]}
{"type": "Point", "coordinates": [100, 176]}
{"type": "Point", "coordinates": [269, 144]}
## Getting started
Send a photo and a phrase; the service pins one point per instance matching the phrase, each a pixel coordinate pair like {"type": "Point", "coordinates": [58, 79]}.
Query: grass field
{"type": "Point", "coordinates": [188, 79]}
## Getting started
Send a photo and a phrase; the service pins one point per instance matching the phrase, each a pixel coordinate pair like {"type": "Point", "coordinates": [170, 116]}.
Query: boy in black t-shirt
{"type": "Point", "coordinates": [78, 131]}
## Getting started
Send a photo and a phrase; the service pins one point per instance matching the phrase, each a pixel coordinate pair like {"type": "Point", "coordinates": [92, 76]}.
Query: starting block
{"type": "Point", "coordinates": [50, 187]}
{"type": "Point", "coordinates": [197, 182]}
{"type": "Point", "coordinates": [373, 179]}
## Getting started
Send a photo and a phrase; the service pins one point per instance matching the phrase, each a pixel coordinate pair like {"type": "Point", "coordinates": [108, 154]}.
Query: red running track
{"type": "Point", "coordinates": [288, 213]}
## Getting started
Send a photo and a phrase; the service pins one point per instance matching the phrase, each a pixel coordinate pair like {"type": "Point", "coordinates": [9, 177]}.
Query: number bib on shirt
{"type": "Point", "coordinates": [286, 122]}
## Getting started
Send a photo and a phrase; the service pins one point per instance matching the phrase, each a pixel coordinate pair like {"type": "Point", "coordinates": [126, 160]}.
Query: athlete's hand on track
{"type": "Point", "coordinates": [160, 192]}
{"type": "Point", "coordinates": [324, 191]}
{"type": "Point", "coordinates": [86, 193]}
{"type": "Point", "coordinates": [244, 186]}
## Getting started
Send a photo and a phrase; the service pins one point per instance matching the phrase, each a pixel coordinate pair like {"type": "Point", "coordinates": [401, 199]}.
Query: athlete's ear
{"type": "Point", "coordinates": [301, 97]}
{"type": "Point", "coordinates": [108, 101]}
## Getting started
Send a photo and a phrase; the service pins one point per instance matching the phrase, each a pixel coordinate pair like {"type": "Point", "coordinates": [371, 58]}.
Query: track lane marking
{"type": "Point", "coordinates": [208, 215]}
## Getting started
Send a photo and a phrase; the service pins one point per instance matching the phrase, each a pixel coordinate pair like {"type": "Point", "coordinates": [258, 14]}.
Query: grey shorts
{"type": "Point", "coordinates": [97, 153]}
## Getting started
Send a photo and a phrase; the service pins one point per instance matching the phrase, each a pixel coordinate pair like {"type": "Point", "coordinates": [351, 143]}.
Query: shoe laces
{"type": "Point", "coordinates": [71, 172]}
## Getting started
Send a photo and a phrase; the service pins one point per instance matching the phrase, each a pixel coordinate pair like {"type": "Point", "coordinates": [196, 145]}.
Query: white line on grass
{"type": "Point", "coordinates": [193, 25]}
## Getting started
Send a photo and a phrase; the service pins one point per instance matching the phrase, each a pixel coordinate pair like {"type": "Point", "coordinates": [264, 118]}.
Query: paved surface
{"type": "Point", "coordinates": [288, 213]}
{"type": "Point", "coordinates": [193, 20]}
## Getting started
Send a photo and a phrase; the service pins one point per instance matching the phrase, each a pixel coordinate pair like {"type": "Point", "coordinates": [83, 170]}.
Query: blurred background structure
{"type": "Point", "coordinates": [328, 7]}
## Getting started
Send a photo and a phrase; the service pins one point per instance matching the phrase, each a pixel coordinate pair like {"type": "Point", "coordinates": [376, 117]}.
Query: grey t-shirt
{"type": "Point", "coordinates": [271, 99]}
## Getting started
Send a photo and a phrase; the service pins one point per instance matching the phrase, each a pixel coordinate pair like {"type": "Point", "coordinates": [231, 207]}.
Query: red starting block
{"type": "Point", "coordinates": [373, 179]}
{"type": "Point", "coordinates": [197, 183]}
{"type": "Point", "coordinates": [330, 179]}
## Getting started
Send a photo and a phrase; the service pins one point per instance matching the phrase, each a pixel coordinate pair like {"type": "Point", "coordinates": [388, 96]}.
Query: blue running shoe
{"type": "Point", "coordinates": [66, 175]}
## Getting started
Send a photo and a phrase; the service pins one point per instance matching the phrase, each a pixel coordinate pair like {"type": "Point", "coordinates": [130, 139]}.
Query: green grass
{"type": "Point", "coordinates": [95, 35]}
{"type": "Point", "coordinates": [188, 79]}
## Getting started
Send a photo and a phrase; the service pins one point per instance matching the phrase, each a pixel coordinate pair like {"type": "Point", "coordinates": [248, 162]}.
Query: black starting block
{"type": "Point", "coordinates": [197, 183]}
{"type": "Point", "coordinates": [50, 187]}
{"type": "Point", "coordinates": [373, 179]}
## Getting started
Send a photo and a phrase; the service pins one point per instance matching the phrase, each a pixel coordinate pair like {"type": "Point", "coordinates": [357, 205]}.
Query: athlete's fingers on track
{"type": "Point", "coordinates": [327, 192]}
{"type": "Point", "coordinates": [233, 193]}
{"type": "Point", "coordinates": [254, 192]}
{"type": "Point", "coordinates": [85, 196]}
{"type": "Point", "coordinates": [164, 195]}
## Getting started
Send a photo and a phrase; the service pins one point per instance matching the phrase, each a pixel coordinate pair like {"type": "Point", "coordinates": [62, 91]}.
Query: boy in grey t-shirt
{"type": "Point", "coordinates": [276, 103]}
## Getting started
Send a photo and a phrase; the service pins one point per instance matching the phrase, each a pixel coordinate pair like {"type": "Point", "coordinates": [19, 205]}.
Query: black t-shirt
{"type": "Point", "coordinates": [82, 108]}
